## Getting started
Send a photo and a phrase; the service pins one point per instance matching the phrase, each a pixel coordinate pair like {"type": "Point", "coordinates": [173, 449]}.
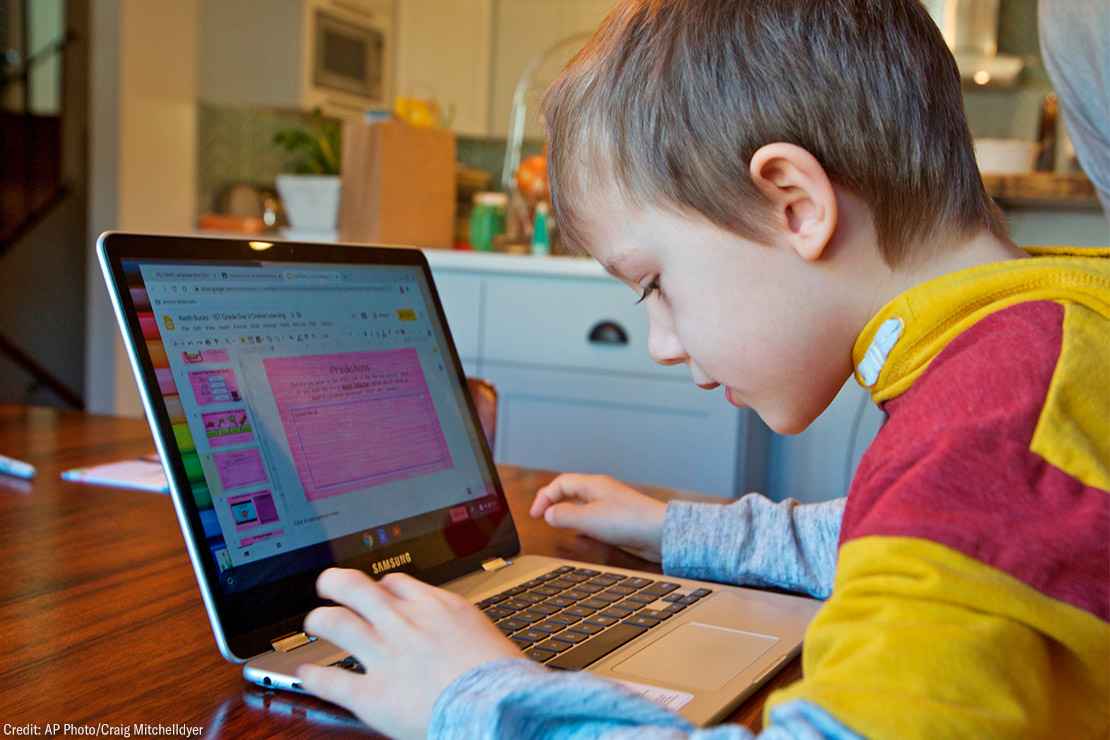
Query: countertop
{"type": "Point", "coordinates": [1043, 190]}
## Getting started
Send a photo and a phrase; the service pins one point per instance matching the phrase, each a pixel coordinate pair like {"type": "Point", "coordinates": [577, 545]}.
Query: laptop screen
{"type": "Point", "coordinates": [316, 409]}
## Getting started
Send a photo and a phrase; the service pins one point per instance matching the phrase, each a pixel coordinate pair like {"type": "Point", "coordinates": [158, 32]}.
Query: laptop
{"type": "Point", "coordinates": [310, 410]}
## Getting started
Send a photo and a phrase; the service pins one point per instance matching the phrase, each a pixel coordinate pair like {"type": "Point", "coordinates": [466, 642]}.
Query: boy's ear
{"type": "Point", "coordinates": [801, 196]}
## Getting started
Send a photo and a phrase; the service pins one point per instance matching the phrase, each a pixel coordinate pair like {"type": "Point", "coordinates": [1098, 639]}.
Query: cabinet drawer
{"type": "Point", "coordinates": [640, 430]}
{"type": "Point", "coordinates": [549, 321]}
{"type": "Point", "coordinates": [461, 296]}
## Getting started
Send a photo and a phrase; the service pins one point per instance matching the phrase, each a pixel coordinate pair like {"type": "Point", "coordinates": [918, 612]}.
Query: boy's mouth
{"type": "Point", "coordinates": [732, 397]}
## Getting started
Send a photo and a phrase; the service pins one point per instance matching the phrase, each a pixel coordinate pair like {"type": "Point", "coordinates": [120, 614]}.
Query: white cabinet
{"type": "Point", "coordinates": [567, 351]}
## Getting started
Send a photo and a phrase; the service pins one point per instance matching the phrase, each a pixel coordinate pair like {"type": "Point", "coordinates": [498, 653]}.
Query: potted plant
{"type": "Point", "coordinates": [310, 191]}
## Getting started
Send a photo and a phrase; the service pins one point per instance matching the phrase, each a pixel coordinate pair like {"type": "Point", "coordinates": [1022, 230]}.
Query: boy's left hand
{"type": "Point", "coordinates": [413, 639]}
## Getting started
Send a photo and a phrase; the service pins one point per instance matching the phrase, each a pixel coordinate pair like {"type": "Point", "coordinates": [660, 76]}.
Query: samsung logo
{"type": "Point", "coordinates": [396, 561]}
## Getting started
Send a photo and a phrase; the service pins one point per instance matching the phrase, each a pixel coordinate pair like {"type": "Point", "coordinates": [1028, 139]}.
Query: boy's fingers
{"type": "Point", "coordinates": [355, 589]}
{"type": "Point", "coordinates": [404, 586]}
{"type": "Point", "coordinates": [336, 685]}
{"type": "Point", "coordinates": [569, 515]}
{"type": "Point", "coordinates": [343, 627]}
{"type": "Point", "coordinates": [561, 489]}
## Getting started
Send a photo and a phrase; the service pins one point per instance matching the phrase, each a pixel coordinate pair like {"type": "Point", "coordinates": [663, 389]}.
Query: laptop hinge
{"type": "Point", "coordinates": [494, 564]}
{"type": "Point", "coordinates": [292, 641]}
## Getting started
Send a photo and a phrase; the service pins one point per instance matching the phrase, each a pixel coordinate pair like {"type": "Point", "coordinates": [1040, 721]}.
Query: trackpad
{"type": "Point", "coordinates": [700, 656]}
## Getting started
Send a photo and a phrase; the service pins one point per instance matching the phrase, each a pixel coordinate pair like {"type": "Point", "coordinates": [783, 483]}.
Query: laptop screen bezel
{"type": "Point", "coordinates": [251, 619]}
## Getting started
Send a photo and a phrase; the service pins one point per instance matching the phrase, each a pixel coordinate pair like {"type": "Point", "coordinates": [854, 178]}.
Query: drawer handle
{"type": "Point", "coordinates": [608, 332]}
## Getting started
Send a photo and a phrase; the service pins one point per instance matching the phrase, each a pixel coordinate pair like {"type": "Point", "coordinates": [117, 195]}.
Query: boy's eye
{"type": "Point", "coordinates": [651, 288]}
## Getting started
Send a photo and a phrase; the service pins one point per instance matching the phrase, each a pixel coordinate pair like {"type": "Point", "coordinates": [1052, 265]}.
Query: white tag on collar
{"type": "Point", "coordinates": [875, 357]}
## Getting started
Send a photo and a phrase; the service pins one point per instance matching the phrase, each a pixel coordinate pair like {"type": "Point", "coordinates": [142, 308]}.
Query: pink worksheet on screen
{"type": "Point", "coordinates": [357, 419]}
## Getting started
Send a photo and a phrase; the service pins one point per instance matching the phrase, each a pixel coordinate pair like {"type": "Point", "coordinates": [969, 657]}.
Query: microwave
{"type": "Point", "coordinates": [348, 61]}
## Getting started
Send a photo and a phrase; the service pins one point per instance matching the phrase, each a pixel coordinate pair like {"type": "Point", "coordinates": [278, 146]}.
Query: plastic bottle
{"type": "Point", "coordinates": [487, 220]}
{"type": "Point", "coordinates": [541, 232]}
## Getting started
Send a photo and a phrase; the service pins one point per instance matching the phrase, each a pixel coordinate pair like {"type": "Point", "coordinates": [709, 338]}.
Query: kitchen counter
{"type": "Point", "coordinates": [1043, 190]}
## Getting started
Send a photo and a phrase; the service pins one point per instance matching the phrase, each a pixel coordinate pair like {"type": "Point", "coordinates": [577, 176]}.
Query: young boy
{"type": "Point", "coordinates": [790, 185]}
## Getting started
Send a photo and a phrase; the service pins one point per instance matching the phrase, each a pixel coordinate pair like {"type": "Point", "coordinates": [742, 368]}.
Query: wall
{"type": "Point", "coordinates": [143, 157]}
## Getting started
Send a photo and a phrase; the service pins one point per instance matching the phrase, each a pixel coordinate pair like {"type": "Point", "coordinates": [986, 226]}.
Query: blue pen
{"type": "Point", "coordinates": [18, 468]}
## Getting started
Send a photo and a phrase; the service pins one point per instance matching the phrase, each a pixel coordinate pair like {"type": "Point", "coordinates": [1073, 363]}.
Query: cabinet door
{"type": "Point", "coordinates": [461, 296]}
{"type": "Point", "coordinates": [443, 52]}
{"type": "Point", "coordinates": [658, 432]}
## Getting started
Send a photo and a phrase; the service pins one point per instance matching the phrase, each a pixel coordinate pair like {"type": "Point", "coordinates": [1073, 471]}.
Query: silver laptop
{"type": "Point", "coordinates": [310, 410]}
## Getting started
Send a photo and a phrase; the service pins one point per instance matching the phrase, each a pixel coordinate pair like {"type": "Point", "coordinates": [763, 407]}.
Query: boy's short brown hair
{"type": "Point", "coordinates": [674, 97]}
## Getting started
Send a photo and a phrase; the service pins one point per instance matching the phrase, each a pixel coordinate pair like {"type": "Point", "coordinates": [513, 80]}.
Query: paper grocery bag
{"type": "Point", "coordinates": [398, 184]}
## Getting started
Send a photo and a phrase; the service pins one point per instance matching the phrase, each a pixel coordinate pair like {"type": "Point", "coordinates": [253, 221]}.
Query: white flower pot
{"type": "Point", "coordinates": [311, 201]}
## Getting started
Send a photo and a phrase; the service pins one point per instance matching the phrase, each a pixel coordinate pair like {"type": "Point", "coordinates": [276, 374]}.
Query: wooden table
{"type": "Point", "coordinates": [100, 615]}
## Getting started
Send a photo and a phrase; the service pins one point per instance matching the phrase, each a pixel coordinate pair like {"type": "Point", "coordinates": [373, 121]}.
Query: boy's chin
{"type": "Point", "coordinates": [785, 420]}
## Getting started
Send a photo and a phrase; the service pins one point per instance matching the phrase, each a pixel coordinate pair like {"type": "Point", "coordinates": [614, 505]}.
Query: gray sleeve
{"type": "Point", "coordinates": [1076, 52]}
{"type": "Point", "coordinates": [755, 541]}
{"type": "Point", "coordinates": [519, 699]}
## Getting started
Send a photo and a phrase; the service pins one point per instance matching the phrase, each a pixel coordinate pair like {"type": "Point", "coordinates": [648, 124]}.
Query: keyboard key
{"type": "Point", "coordinates": [577, 594]}
{"type": "Point", "coordinates": [672, 609]}
{"type": "Point", "coordinates": [630, 604]}
{"type": "Point", "coordinates": [608, 596]}
{"type": "Point", "coordinates": [549, 627]}
{"type": "Point", "coordinates": [546, 590]}
{"type": "Point", "coordinates": [622, 589]}
{"type": "Point", "coordinates": [492, 600]}
{"type": "Point", "coordinates": [589, 629]}
{"type": "Point", "coordinates": [700, 592]}
{"type": "Point", "coordinates": [549, 576]}
{"type": "Point", "coordinates": [562, 569]}
{"type": "Point", "coordinates": [530, 615]}
{"type": "Point", "coordinates": [579, 611]}
{"type": "Point", "coordinates": [533, 583]}
{"type": "Point", "coordinates": [620, 612]}
{"type": "Point", "coordinates": [607, 579]}
{"type": "Point", "coordinates": [564, 618]}
{"type": "Point", "coordinates": [498, 612]}
{"type": "Point", "coordinates": [560, 601]}
{"type": "Point", "coordinates": [602, 620]}
{"type": "Point", "coordinates": [586, 572]}
{"type": "Point", "coordinates": [659, 614]}
{"type": "Point", "coordinates": [513, 623]}
{"type": "Point", "coordinates": [595, 604]}
{"type": "Point", "coordinates": [514, 591]}
{"type": "Point", "coordinates": [575, 577]}
{"type": "Point", "coordinates": [539, 654]}
{"type": "Point", "coordinates": [672, 597]}
{"type": "Point", "coordinates": [637, 582]}
{"type": "Point", "coordinates": [506, 629]}
{"type": "Point", "coordinates": [534, 634]}
{"type": "Point", "coordinates": [557, 644]}
{"type": "Point", "coordinates": [687, 600]}
{"type": "Point", "coordinates": [561, 583]}
{"type": "Point", "coordinates": [516, 603]}
{"type": "Point", "coordinates": [663, 587]}
{"type": "Point", "coordinates": [546, 609]}
{"type": "Point", "coordinates": [531, 597]}
{"type": "Point", "coordinates": [642, 598]}
{"type": "Point", "coordinates": [637, 620]}
{"type": "Point", "coordinates": [573, 635]}
{"type": "Point", "coordinates": [521, 642]}
{"type": "Point", "coordinates": [590, 587]}
{"type": "Point", "coordinates": [593, 650]}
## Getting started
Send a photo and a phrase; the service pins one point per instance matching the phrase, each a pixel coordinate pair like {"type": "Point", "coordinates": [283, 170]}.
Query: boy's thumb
{"type": "Point", "coordinates": [563, 515]}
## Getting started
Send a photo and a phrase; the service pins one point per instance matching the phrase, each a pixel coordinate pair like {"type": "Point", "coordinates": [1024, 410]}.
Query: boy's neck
{"type": "Point", "coordinates": [944, 258]}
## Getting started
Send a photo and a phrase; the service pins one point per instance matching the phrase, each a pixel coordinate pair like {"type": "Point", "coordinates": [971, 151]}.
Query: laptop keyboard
{"type": "Point", "coordinates": [572, 617]}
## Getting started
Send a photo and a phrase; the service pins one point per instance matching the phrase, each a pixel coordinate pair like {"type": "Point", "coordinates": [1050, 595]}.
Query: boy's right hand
{"type": "Point", "coordinates": [605, 509]}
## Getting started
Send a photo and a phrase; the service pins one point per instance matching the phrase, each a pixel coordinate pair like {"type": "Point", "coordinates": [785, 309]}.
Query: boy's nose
{"type": "Point", "coordinates": [664, 347]}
